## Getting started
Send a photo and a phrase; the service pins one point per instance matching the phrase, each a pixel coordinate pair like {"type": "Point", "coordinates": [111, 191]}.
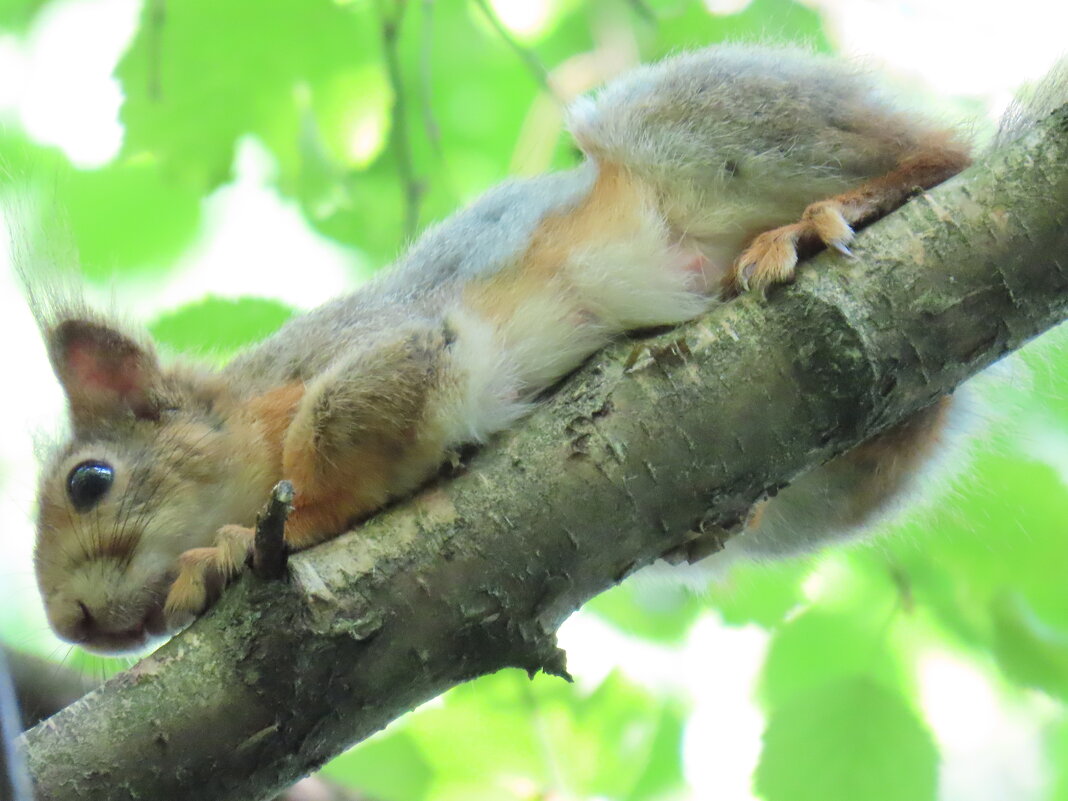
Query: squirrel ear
{"type": "Point", "coordinates": [104, 372]}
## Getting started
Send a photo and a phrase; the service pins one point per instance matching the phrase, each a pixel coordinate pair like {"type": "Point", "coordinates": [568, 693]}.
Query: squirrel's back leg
{"type": "Point", "coordinates": [772, 256]}
{"type": "Point", "coordinates": [756, 152]}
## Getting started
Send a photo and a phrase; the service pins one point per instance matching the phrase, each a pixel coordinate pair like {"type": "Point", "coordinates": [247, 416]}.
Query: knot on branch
{"type": "Point", "coordinates": [535, 649]}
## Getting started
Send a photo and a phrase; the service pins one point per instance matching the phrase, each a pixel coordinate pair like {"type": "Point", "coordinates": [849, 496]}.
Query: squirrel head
{"type": "Point", "coordinates": [150, 470]}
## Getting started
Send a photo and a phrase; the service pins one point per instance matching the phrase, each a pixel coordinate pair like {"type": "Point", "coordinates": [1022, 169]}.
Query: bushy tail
{"type": "Point", "coordinates": [1034, 105]}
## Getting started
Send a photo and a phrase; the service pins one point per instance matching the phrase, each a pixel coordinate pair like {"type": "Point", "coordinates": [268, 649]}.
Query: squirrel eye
{"type": "Point", "coordinates": [88, 482]}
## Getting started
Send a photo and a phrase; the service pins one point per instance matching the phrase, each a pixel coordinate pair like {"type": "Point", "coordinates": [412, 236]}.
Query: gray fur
{"type": "Point", "coordinates": [490, 233]}
{"type": "Point", "coordinates": [745, 116]}
{"type": "Point", "coordinates": [476, 242]}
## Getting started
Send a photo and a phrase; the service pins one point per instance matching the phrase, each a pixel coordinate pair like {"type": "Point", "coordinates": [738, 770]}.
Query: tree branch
{"type": "Point", "coordinates": [624, 464]}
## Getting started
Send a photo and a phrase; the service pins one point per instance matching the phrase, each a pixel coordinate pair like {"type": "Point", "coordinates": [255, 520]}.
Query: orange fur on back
{"type": "Point", "coordinates": [608, 213]}
{"type": "Point", "coordinates": [274, 411]}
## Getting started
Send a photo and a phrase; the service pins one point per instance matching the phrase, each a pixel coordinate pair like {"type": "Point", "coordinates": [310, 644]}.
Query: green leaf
{"type": "Point", "coordinates": [763, 594]}
{"type": "Point", "coordinates": [210, 71]}
{"type": "Point", "coordinates": [846, 740]}
{"type": "Point", "coordinates": [662, 608]}
{"type": "Point", "coordinates": [662, 770]}
{"type": "Point", "coordinates": [1045, 392]}
{"type": "Point", "coordinates": [217, 327]}
{"type": "Point", "coordinates": [123, 217]}
{"type": "Point", "coordinates": [1057, 758]}
{"type": "Point", "coordinates": [818, 646]}
{"type": "Point", "coordinates": [656, 610]}
{"type": "Point", "coordinates": [388, 767]}
{"type": "Point", "coordinates": [614, 741]}
{"type": "Point", "coordinates": [18, 15]}
{"type": "Point", "coordinates": [1001, 531]}
{"type": "Point", "coordinates": [1030, 651]}
{"type": "Point", "coordinates": [481, 737]}
{"type": "Point", "coordinates": [127, 216]}
{"type": "Point", "coordinates": [505, 735]}
{"type": "Point", "coordinates": [782, 21]}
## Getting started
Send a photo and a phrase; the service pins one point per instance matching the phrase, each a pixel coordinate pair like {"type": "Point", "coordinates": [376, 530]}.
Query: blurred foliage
{"type": "Point", "coordinates": [979, 574]}
{"type": "Point", "coordinates": [506, 736]}
{"type": "Point", "coordinates": [848, 738]}
{"type": "Point", "coordinates": [217, 328]}
{"type": "Point", "coordinates": [16, 15]}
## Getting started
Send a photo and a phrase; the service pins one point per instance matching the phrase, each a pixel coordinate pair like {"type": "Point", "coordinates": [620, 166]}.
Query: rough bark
{"type": "Point", "coordinates": [623, 464]}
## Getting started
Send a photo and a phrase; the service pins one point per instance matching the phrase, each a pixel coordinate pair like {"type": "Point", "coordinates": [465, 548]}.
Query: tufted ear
{"type": "Point", "coordinates": [105, 373]}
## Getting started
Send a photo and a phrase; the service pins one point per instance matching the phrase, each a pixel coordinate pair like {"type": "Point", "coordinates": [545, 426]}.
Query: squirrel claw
{"type": "Point", "coordinates": [842, 248]}
{"type": "Point", "coordinates": [744, 274]}
{"type": "Point", "coordinates": [771, 257]}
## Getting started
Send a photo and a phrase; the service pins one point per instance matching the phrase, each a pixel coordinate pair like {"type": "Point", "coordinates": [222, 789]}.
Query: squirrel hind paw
{"type": "Point", "coordinates": [770, 259]}
{"type": "Point", "coordinates": [772, 256]}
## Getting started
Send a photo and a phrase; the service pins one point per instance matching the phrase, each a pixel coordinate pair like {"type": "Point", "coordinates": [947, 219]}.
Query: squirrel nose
{"type": "Point", "coordinates": [83, 621]}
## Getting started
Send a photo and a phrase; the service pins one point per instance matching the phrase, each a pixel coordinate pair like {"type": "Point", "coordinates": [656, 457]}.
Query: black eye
{"type": "Point", "coordinates": [88, 482]}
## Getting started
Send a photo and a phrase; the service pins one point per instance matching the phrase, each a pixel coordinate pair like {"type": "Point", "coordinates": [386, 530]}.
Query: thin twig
{"type": "Point", "coordinates": [643, 11]}
{"type": "Point", "coordinates": [413, 187]}
{"type": "Point", "coordinates": [430, 123]}
{"type": "Point", "coordinates": [269, 552]}
{"type": "Point", "coordinates": [157, 17]}
{"type": "Point", "coordinates": [537, 69]}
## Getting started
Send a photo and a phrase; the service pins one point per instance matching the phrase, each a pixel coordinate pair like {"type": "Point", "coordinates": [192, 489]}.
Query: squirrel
{"type": "Point", "coordinates": [705, 175]}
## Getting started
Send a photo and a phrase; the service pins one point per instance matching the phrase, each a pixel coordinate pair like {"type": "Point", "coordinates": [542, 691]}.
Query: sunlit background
{"type": "Point", "coordinates": [946, 615]}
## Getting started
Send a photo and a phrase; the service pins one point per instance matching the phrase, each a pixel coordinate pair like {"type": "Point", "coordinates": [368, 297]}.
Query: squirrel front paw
{"type": "Point", "coordinates": [203, 574]}
{"type": "Point", "coordinates": [771, 258]}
